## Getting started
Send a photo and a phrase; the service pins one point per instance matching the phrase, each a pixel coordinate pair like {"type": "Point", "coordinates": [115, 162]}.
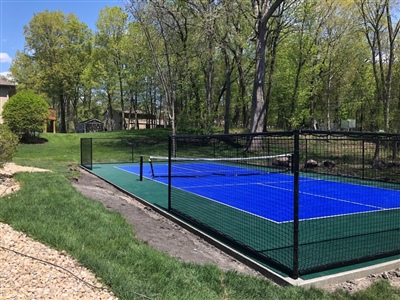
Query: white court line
{"type": "Point", "coordinates": [327, 197]}
{"type": "Point", "coordinates": [231, 184]}
{"type": "Point", "coordinates": [268, 184]}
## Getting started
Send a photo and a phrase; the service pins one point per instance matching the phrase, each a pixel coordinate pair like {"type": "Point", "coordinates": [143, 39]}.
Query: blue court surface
{"type": "Point", "coordinates": [270, 195]}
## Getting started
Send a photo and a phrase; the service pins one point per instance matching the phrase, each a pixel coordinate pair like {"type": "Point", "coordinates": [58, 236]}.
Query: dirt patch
{"type": "Point", "coordinates": [356, 285]}
{"type": "Point", "coordinates": [7, 183]}
{"type": "Point", "coordinates": [156, 230]}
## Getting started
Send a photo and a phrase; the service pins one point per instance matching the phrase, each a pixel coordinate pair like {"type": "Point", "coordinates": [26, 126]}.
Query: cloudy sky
{"type": "Point", "coordinates": [15, 14]}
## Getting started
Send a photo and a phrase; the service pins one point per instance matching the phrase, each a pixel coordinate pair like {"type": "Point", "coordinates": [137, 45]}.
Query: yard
{"type": "Point", "coordinates": [155, 260]}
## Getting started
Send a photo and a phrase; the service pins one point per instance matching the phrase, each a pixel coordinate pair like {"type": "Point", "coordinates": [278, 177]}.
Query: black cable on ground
{"type": "Point", "coordinates": [69, 272]}
{"type": "Point", "coordinates": [54, 265]}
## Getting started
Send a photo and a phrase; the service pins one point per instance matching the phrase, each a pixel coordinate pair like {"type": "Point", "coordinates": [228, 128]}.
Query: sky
{"type": "Point", "coordinates": [15, 14]}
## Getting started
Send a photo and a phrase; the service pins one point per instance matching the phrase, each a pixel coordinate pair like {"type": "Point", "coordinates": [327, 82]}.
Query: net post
{"type": "Point", "coordinates": [151, 167]}
{"type": "Point", "coordinates": [296, 171]}
{"type": "Point", "coordinates": [141, 168]}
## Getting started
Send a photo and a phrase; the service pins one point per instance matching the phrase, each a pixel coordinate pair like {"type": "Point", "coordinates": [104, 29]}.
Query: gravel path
{"type": "Point", "coordinates": [47, 273]}
{"type": "Point", "coordinates": [22, 277]}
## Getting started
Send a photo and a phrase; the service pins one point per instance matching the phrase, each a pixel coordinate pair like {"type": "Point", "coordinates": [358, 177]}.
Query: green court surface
{"type": "Point", "coordinates": [148, 190]}
{"type": "Point", "coordinates": [270, 239]}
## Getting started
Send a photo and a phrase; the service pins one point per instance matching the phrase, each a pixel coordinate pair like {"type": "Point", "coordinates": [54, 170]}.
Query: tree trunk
{"type": "Point", "coordinates": [258, 103]}
{"type": "Point", "coordinates": [63, 128]}
{"type": "Point", "coordinates": [121, 95]}
{"type": "Point", "coordinates": [228, 72]}
{"type": "Point", "coordinates": [110, 121]}
{"type": "Point", "coordinates": [242, 86]}
{"type": "Point", "coordinates": [131, 110]}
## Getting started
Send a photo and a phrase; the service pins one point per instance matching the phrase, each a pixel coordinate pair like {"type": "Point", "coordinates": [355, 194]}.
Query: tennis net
{"type": "Point", "coordinates": [201, 167]}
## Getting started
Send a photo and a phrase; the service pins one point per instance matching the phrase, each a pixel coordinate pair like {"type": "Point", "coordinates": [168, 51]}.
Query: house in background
{"type": "Point", "coordinates": [7, 90]}
{"type": "Point", "coordinates": [91, 125]}
{"type": "Point", "coordinates": [144, 120]}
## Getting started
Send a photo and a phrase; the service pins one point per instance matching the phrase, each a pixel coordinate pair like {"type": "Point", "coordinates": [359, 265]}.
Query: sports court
{"type": "Point", "coordinates": [268, 205]}
{"type": "Point", "coordinates": [323, 198]}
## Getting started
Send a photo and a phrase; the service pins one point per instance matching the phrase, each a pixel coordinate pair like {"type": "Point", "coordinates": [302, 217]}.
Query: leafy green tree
{"type": "Point", "coordinates": [140, 65]}
{"type": "Point", "coordinates": [56, 53]}
{"type": "Point", "coordinates": [24, 71]}
{"type": "Point", "coordinates": [252, 64]}
{"type": "Point", "coordinates": [8, 144]}
{"type": "Point", "coordinates": [25, 113]}
{"type": "Point", "coordinates": [231, 35]}
{"type": "Point", "coordinates": [157, 40]}
{"type": "Point", "coordinates": [381, 29]}
{"type": "Point", "coordinates": [112, 26]}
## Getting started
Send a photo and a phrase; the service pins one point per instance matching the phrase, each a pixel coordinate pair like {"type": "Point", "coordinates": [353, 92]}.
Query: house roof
{"type": "Point", "coordinates": [125, 111]}
{"type": "Point", "coordinates": [90, 121]}
{"type": "Point", "coordinates": [141, 114]}
{"type": "Point", "coordinates": [4, 82]}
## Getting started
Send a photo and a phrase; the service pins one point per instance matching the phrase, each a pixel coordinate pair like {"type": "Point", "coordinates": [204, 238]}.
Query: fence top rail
{"type": "Point", "coordinates": [247, 135]}
{"type": "Point", "coordinates": [291, 133]}
{"type": "Point", "coordinates": [351, 133]}
{"type": "Point", "coordinates": [250, 135]}
{"type": "Point", "coordinates": [126, 138]}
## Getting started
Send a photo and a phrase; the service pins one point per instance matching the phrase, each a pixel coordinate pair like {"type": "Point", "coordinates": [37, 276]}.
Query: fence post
{"type": "Point", "coordinates": [132, 150]}
{"type": "Point", "coordinates": [363, 157]}
{"type": "Point", "coordinates": [141, 168]}
{"type": "Point", "coordinates": [81, 146]}
{"type": "Point", "coordinates": [170, 141]}
{"type": "Point", "coordinates": [296, 171]}
{"type": "Point", "coordinates": [87, 154]}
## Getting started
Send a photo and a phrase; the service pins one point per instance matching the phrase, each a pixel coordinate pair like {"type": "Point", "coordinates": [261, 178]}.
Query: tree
{"type": "Point", "coordinates": [77, 58]}
{"type": "Point", "coordinates": [139, 66]}
{"type": "Point", "coordinates": [231, 35]}
{"type": "Point", "coordinates": [163, 63]}
{"type": "Point", "coordinates": [381, 34]}
{"type": "Point", "coordinates": [252, 63]}
{"type": "Point", "coordinates": [56, 51]}
{"type": "Point", "coordinates": [320, 45]}
{"type": "Point", "coordinates": [25, 113]}
{"type": "Point", "coordinates": [8, 144]}
{"type": "Point", "coordinates": [112, 26]}
{"type": "Point", "coordinates": [310, 18]}
{"type": "Point", "coordinates": [263, 12]}
{"type": "Point", "coordinates": [24, 71]}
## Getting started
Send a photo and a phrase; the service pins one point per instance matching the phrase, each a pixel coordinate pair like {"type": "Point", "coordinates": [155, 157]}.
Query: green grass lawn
{"type": "Point", "coordinates": [51, 211]}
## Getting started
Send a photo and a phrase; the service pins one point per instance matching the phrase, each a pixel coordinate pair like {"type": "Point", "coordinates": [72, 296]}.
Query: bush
{"type": "Point", "coordinates": [25, 113]}
{"type": "Point", "coordinates": [8, 144]}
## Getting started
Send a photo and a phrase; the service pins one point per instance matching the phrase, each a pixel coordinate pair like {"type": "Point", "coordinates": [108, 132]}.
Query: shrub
{"type": "Point", "coordinates": [25, 113]}
{"type": "Point", "coordinates": [8, 144]}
